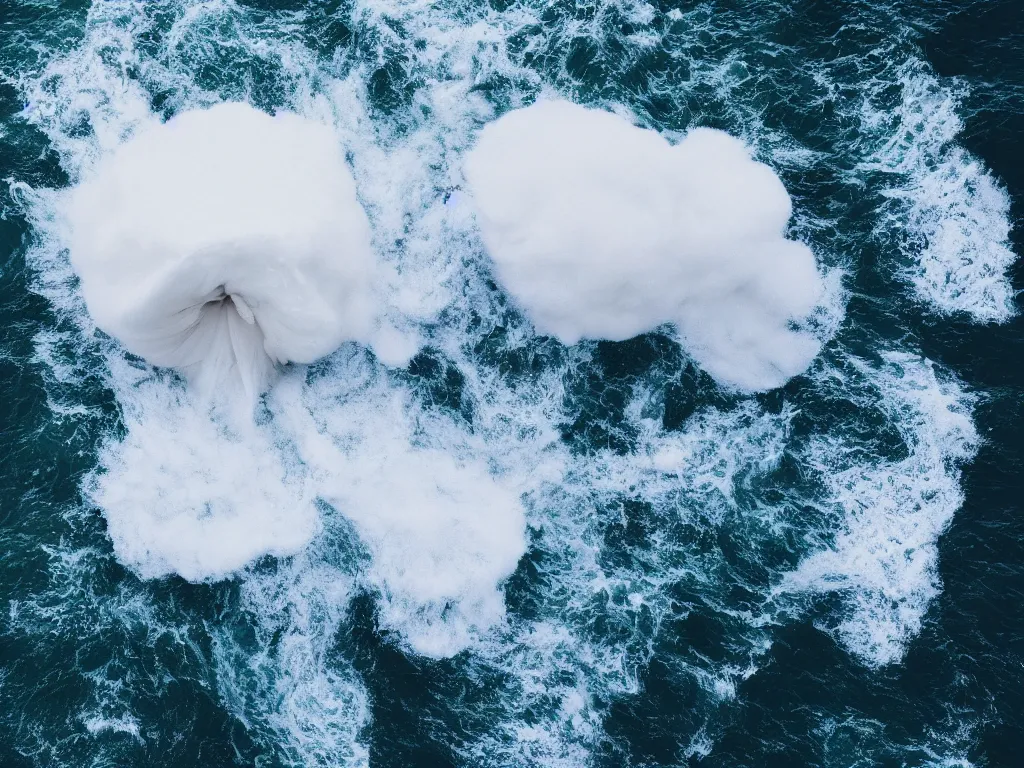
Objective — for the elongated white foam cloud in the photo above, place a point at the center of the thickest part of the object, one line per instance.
(224, 241)
(602, 230)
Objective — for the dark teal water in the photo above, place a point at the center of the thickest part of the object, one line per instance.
(829, 574)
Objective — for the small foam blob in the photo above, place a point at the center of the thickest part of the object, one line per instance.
(223, 242)
(444, 537)
(602, 230)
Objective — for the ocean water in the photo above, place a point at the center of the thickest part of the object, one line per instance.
(511, 552)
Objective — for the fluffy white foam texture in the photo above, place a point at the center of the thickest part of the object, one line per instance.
(602, 230)
(443, 528)
(224, 241)
(444, 536)
(184, 494)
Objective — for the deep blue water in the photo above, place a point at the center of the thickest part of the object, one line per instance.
(829, 574)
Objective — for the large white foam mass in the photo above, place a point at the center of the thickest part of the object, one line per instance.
(602, 230)
(224, 241)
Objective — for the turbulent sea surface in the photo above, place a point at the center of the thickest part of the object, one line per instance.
(828, 574)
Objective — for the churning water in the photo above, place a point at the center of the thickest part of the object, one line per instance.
(509, 551)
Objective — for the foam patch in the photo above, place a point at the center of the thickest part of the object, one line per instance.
(223, 242)
(602, 230)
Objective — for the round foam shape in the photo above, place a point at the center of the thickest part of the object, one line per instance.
(224, 241)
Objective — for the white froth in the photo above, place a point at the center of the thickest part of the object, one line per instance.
(884, 560)
(225, 241)
(285, 677)
(603, 230)
(126, 724)
(444, 533)
(203, 499)
(949, 215)
(444, 537)
(183, 493)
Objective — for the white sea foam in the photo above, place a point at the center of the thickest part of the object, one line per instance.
(185, 493)
(223, 242)
(884, 560)
(284, 679)
(443, 533)
(948, 214)
(126, 724)
(438, 578)
(603, 230)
